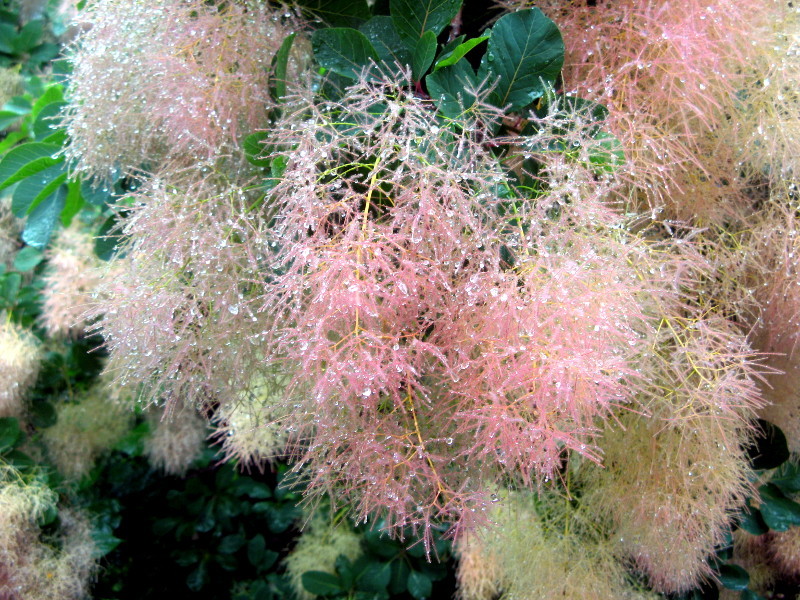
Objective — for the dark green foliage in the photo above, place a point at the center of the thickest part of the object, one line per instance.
(388, 568)
(211, 535)
(29, 45)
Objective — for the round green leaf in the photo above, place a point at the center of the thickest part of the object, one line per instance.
(779, 512)
(787, 477)
(524, 57)
(321, 583)
(10, 433)
(256, 548)
(42, 221)
(751, 520)
(413, 18)
(733, 577)
(27, 259)
(231, 543)
(343, 50)
(375, 577)
(198, 578)
(383, 36)
(419, 585)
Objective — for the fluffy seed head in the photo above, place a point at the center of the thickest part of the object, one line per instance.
(73, 274)
(85, 428)
(546, 552)
(167, 79)
(20, 357)
(250, 426)
(175, 440)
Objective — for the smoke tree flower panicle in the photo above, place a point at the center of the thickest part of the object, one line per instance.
(85, 429)
(541, 547)
(250, 427)
(20, 359)
(450, 327)
(669, 73)
(33, 565)
(766, 128)
(691, 473)
(175, 440)
(72, 276)
(173, 304)
(169, 79)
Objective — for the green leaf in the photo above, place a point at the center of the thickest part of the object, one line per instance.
(322, 583)
(20, 461)
(412, 18)
(388, 44)
(787, 477)
(424, 54)
(53, 94)
(279, 65)
(18, 104)
(104, 541)
(48, 121)
(198, 578)
(42, 221)
(375, 577)
(10, 434)
(27, 259)
(43, 414)
(419, 585)
(524, 57)
(186, 558)
(343, 50)
(7, 33)
(344, 568)
(73, 204)
(11, 283)
(451, 88)
(94, 194)
(7, 118)
(49, 187)
(26, 160)
(254, 150)
(456, 54)
(107, 238)
(338, 13)
(10, 140)
(608, 154)
(281, 517)
(231, 543)
(49, 515)
(133, 443)
(247, 486)
(163, 526)
(256, 548)
(28, 37)
(751, 520)
(452, 45)
(28, 193)
(380, 543)
(734, 577)
(779, 512)
(44, 53)
(399, 581)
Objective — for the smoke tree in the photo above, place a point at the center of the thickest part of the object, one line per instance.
(533, 287)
